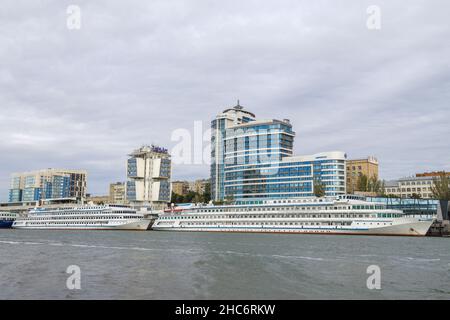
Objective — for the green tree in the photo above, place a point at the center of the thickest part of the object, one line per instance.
(362, 183)
(229, 199)
(176, 198)
(372, 184)
(319, 188)
(440, 188)
(207, 193)
(383, 189)
(197, 198)
(415, 196)
(392, 196)
(192, 196)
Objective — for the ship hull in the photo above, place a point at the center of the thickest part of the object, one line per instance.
(141, 225)
(416, 228)
(5, 224)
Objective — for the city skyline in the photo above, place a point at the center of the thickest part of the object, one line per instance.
(86, 98)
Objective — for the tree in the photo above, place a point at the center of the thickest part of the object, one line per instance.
(229, 199)
(415, 196)
(198, 198)
(207, 193)
(319, 188)
(193, 196)
(176, 198)
(391, 196)
(189, 197)
(372, 184)
(440, 188)
(362, 183)
(382, 192)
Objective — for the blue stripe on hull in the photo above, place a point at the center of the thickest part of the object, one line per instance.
(5, 224)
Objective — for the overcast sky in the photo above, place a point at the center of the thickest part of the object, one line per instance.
(138, 70)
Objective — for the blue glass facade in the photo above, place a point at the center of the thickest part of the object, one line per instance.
(165, 171)
(259, 143)
(15, 195)
(164, 191)
(132, 167)
(285, 179)
(217, 173)
(47, 191)
(131, 190)
(31, 194)
(60, 187)
(230, 117)
(409, 206)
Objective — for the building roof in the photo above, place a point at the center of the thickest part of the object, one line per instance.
(259, 122)
(391, 183)
(340, 155)
(149, 149)
(50, 170)
(240, 108)
(416, 178)
(432, 174)
(370, 159)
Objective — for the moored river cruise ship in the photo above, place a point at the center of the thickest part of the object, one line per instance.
(7, 219)
(86, 217)
(333, 215)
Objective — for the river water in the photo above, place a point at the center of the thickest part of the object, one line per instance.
(176, 265)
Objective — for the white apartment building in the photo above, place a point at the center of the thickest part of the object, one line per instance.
(117, 193)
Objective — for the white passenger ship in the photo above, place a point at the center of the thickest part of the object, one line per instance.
(337, 215)
(7, 219)
(87, 217)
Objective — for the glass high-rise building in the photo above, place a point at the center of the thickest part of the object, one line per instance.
(253, 159)
(228, 118)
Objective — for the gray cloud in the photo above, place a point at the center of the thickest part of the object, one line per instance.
(136, 71)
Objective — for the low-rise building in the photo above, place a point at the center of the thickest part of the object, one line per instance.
(358, 167)
(409, 187)
(97, 199)
(199, 186)
(432, 174)
(180, 187)
(117, 193)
